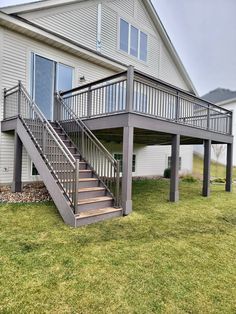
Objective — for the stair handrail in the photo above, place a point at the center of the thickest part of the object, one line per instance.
(98, 144)
(47, 124)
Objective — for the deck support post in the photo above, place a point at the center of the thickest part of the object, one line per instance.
(128, 135)
(174, 179)
(229, 165)
(17, 167)
(206, 168)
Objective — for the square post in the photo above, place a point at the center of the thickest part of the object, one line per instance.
(174, 179)
(229, 168)
(128, 134)
(130, 89)
(17, 167)
(206, 168)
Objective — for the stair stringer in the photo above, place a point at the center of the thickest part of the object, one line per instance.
(53, 188)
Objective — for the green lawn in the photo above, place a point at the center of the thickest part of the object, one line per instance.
(217, 170)
(164, 258)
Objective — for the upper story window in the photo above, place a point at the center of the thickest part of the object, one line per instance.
(133, 41)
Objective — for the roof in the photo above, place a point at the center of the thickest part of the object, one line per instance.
(220, 95)
(15, 10)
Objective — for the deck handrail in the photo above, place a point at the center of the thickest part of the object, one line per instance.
(106, 167)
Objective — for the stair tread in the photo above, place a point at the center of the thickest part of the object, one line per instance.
(88, 179)
(80, 180)
(97, 212)
(96, 188)
(85, 170)
(95, 200)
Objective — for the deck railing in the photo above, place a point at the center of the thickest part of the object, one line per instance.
(133, 91)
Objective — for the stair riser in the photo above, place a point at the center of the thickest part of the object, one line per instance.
(90, 220)
(88, 184)
(58, 131)
(98, 205)
(62, 136)
(87, 174)
(72, 150)
(91, 194)
(83, 166)
(68, 143)
(61, 166)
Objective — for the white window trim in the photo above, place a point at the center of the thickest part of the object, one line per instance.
(129, 40)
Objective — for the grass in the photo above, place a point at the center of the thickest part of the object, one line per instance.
(217, 170)
(163, 258)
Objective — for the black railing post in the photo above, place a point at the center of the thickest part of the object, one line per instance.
(4, 102)
(231, 123)
(89, 108)
(208, 117)
(76, 196)
(117, 198)
(177, 108)
(82, 140)
(44, 139)
(19, 98)
(130, 89)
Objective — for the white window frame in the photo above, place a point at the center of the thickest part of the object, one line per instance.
(129, 40)
(134, 159)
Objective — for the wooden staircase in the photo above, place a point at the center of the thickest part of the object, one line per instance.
(95, 202)
(83, 191)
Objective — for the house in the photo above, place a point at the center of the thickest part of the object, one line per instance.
(95, 91)
(224, 98)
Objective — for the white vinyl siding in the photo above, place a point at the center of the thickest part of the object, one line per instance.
(16, 65)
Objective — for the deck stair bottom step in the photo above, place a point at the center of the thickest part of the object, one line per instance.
(97, 215)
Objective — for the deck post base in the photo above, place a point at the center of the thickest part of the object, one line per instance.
(174, 179)
(128, 135)
(206, 168)
(229, 168)
(17, 167)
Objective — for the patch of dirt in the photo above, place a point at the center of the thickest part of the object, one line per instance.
(33, 192)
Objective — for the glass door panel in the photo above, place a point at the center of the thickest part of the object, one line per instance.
(64, 77)
(44, 85)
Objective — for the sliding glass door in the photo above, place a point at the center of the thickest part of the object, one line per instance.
(48, 77)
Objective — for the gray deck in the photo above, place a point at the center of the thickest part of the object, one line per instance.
(130, 108)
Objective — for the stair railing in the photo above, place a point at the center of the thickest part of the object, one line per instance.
(60, 161)
(106, 167)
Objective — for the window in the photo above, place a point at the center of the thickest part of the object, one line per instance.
(133, 41)
(143, 46)
(120, 158)
(169, 162)
(34, 171)
(124, 36)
